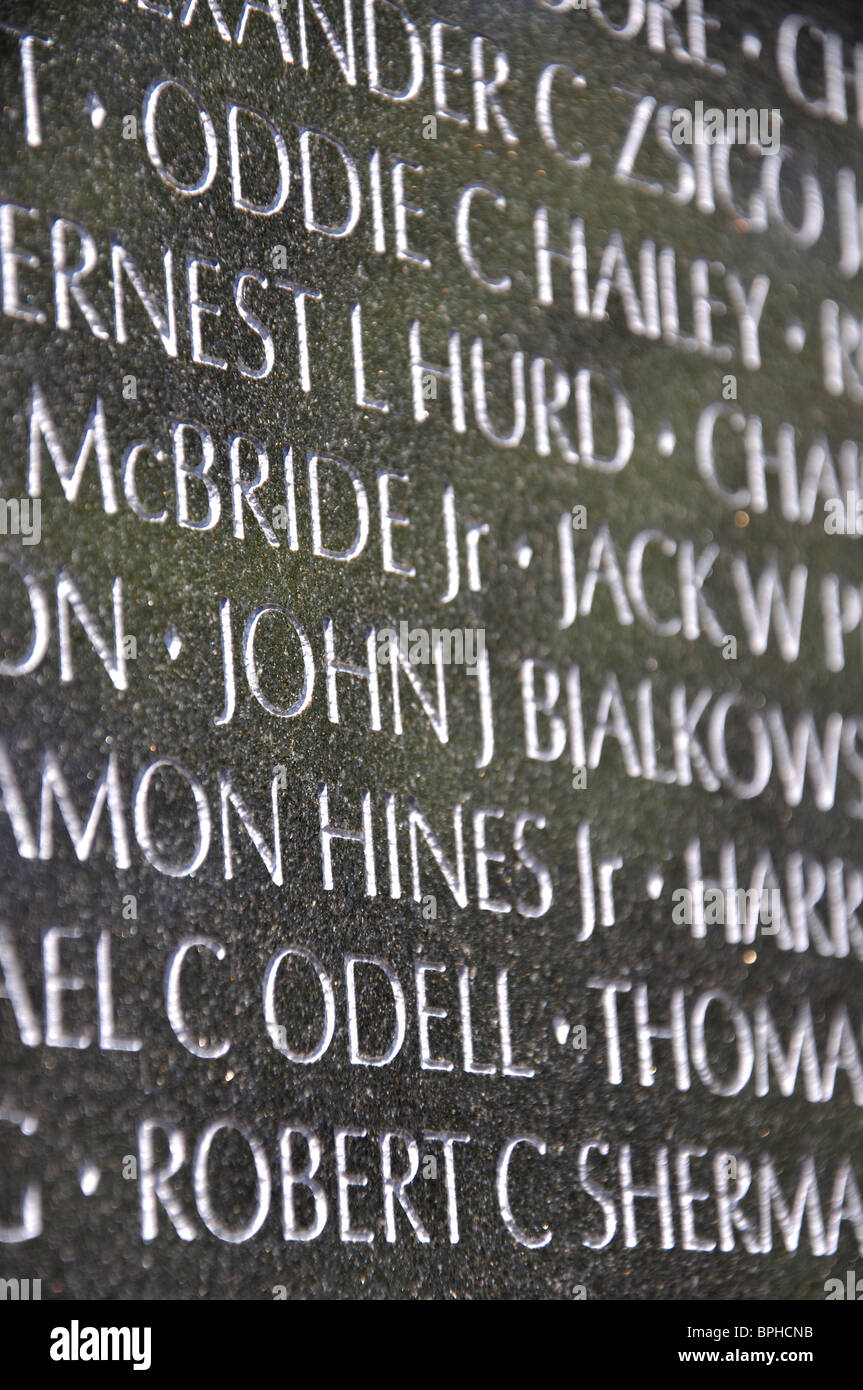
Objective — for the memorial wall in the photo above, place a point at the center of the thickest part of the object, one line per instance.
(431, 603)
